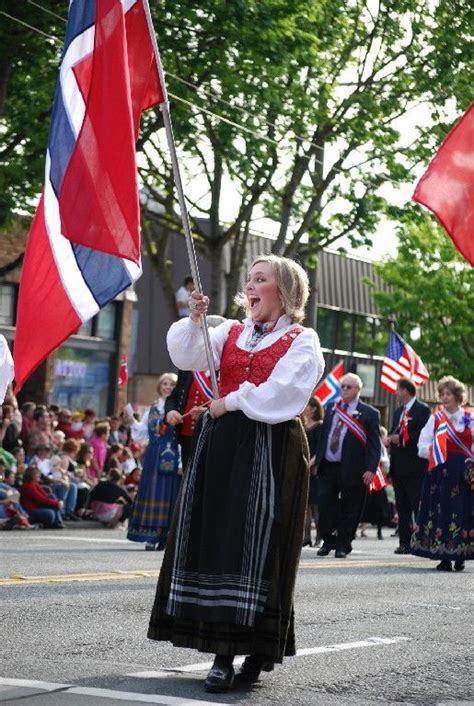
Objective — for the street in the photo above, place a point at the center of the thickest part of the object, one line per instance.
(372, 628)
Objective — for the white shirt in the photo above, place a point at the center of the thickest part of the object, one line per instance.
(427, 433)
(286, 392)
(409, 404)
(182, 297)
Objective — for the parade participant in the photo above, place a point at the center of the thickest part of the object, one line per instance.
(160, 479)
(186, 403)
(227, 580)
(313, 416)
(444, 527)
(407, 469)
(346, 462)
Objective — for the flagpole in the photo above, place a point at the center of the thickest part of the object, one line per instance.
(193, 264)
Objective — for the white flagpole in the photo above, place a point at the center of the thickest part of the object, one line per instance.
(193, 264)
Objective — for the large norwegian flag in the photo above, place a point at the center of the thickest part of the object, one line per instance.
(401, 361)
(447, 187)
(84, 243)
(329, 389)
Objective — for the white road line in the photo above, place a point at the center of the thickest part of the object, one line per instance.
(129, 696)
(84, 539)
(202, 666)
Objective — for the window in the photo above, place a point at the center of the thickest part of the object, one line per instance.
(364, 334)
(7, 304)
(326, 327)
(344, 336)
(105, 322)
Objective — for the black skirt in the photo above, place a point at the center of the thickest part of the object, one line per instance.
(227, 581)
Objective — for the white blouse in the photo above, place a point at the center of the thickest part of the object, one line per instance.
(286, 392)
(427, 433)
(139, 429)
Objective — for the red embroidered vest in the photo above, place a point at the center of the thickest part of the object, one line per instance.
(195, 399)
(238, 366)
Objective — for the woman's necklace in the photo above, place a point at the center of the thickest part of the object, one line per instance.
(259, 331)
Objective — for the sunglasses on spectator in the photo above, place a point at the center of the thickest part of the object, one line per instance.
(347, 387)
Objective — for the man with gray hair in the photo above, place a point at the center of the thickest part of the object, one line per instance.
(347, 459)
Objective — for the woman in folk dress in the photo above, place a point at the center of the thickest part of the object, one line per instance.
(444, 529)
(227, 580)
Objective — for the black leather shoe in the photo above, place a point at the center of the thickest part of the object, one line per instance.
(219, 679)
(340, 554)
(402, 549)
(253, 665)
(459, 565)
(444, 566)
(324, 550)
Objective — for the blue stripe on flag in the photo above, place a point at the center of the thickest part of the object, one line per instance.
(81, 16)
(105, 275)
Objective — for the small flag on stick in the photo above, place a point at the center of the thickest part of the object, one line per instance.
(123, 372)
(330, 388)
(401, 361)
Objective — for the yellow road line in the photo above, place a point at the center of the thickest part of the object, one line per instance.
(120, 575)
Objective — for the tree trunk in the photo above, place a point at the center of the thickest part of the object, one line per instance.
(217, 289)
(5, 68)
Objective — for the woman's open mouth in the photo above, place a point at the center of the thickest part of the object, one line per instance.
(254, 301)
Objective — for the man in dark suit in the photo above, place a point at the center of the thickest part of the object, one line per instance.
(407, 469)
(347, 460)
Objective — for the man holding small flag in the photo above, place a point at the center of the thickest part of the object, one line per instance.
(407, 469)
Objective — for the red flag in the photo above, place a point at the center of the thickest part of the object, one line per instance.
(123, 372)
(379, 481)
(98, 199)
(447, 186)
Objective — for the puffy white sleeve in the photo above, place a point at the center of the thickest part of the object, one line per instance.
(139, 430)
(286, 392)
(426, 438)
(186, 344)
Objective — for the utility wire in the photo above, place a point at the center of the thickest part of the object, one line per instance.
(196, 107)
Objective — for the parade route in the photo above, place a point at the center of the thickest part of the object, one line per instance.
(373, 628)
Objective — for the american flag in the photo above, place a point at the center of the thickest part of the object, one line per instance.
(401, 361)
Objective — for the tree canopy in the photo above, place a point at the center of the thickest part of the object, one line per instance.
(432, 294)
(304, 125)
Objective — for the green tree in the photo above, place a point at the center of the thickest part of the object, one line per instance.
(320, 87)
(432, 293)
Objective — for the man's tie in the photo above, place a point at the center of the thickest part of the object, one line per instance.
(336, 435)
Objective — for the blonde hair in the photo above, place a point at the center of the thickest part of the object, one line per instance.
(166, 376)
(456, 387)
(292, 282)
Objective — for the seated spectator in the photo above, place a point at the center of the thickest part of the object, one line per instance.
(53, 412)
(132, 479)
(41, 507)
(19, 464)
(137, 452)
(76, 474)
(109, 501)
(127, 460)
(41, 432)
(42, 459)
(115, 437)
(84, 462)
(27, 423)
(12, 514)
(59, 437)
(113, 458)
(63, 488)
(88, 424)
(99, 447)
(9, 429)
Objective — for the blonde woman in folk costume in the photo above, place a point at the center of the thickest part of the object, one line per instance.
(160, 479)
(227, 580)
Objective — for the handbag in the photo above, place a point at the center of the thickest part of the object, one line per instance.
(167, 460)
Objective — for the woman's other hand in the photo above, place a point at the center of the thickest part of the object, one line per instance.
(173, 417)
(217, 408)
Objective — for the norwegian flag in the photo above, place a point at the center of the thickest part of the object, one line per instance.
(330, 388)
(123, 372)
(84, 245)
(401, 361)
(379, 481)
(439, 447)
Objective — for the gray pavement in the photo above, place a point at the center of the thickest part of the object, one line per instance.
(374, 628)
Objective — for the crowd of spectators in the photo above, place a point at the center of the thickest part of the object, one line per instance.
(59, 465)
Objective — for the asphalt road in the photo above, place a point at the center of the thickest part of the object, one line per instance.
(374, 628)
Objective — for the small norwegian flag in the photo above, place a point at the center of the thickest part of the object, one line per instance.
(330, 388)
(123, 372)
(378, 483)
